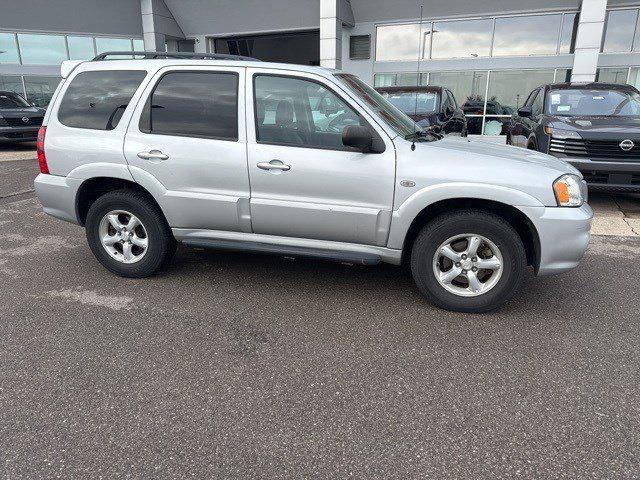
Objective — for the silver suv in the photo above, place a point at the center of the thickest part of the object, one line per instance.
(222, 152)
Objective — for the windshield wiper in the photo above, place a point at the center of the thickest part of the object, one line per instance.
(424, 134)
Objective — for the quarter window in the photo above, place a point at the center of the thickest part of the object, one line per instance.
(194, 104)
(97, 100)
(298, 112)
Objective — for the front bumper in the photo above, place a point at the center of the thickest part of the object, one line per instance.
(18, 134)
(609, 176)
(564, 236)
(58, 196)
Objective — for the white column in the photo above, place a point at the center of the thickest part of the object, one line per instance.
(333, 15)
(588, 40)
(158, 24)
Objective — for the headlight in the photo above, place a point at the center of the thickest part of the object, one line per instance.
(568, 191)
(562, 134)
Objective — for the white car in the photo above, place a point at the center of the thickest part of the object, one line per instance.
(225, 152)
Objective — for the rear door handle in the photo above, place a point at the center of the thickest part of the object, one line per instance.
(274, 165)
(153, 155)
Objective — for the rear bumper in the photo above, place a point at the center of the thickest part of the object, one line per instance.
(564, 236)
(608, 176)
(58, 196)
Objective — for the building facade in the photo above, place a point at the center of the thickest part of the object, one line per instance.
(490, 53)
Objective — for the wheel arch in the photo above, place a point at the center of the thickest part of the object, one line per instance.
(93, 188)
(516, 218)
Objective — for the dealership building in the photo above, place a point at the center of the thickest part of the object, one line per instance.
(490, 53)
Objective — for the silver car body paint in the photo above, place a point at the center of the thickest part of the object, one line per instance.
(213, 192)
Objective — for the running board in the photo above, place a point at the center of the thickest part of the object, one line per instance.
(295, 247)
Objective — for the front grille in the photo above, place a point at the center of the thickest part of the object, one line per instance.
(602, 149)
(596, 177)
(17, 122)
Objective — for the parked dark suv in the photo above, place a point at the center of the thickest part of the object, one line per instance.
(19, 120)
(594, 126)
(435, 107)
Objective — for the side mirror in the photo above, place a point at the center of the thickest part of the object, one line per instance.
(525, 111)
(361, 138)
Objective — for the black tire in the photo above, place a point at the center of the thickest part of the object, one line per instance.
(479, 222)
(161, 246)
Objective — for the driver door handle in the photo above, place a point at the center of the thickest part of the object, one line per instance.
(273, 166)
(153, 155)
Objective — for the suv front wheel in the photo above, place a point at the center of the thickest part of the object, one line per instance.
(468, 261)
(128, 234)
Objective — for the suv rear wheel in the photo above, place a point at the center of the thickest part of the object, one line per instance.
(128, 234)
(468, 261)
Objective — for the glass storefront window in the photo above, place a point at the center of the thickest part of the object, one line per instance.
(112, 44)
(508, 90)
(8, 48)
(527, 35)
(11, 83)
(619, 31)
(42, 49)
(80, 48)
(138, 45)
(40, 89)
(384, 80)
(569, 28)
(397, 42)
(461, 39)
(634, 77)
(612, 75)
(468, 87)
(563, 75)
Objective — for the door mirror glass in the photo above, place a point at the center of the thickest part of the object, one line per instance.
(525, 111)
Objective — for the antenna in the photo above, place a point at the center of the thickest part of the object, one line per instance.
(415, 108)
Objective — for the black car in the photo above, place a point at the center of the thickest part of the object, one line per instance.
(593, 126)
(19, 120)
(430, 107)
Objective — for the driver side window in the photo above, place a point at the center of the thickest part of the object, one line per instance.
(536, 106)
(298, 112)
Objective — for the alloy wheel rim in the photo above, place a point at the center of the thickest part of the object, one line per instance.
(468, 265)
(123, 236)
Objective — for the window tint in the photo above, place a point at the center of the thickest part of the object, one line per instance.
(461, 39)
(299, 112)
(528, 35)
(41, 89)
(80, 48)
(98, 99)
(397, 42)
(194, 104)
(42, 49)
(620, 26)
(8, 48)
(536, 106)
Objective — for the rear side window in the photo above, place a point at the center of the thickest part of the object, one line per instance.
(193, 104)
(97, 100)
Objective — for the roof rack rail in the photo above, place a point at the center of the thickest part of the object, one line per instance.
(182, 55)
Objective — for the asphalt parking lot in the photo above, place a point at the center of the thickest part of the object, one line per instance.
(248, 366)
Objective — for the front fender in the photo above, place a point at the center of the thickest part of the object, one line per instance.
(404, 214)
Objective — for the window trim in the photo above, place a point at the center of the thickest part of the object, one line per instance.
(322, 84)
(206, 137)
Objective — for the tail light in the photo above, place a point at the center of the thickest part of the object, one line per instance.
(42, 158)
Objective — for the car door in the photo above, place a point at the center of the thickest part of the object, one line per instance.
(304, 182)
(188, 135)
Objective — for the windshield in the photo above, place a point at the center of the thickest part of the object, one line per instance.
(426, 103)
(397, 120)
(12, 100)
(587, 102)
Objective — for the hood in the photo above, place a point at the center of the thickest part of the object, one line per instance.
(485, 150)
(594, 126)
